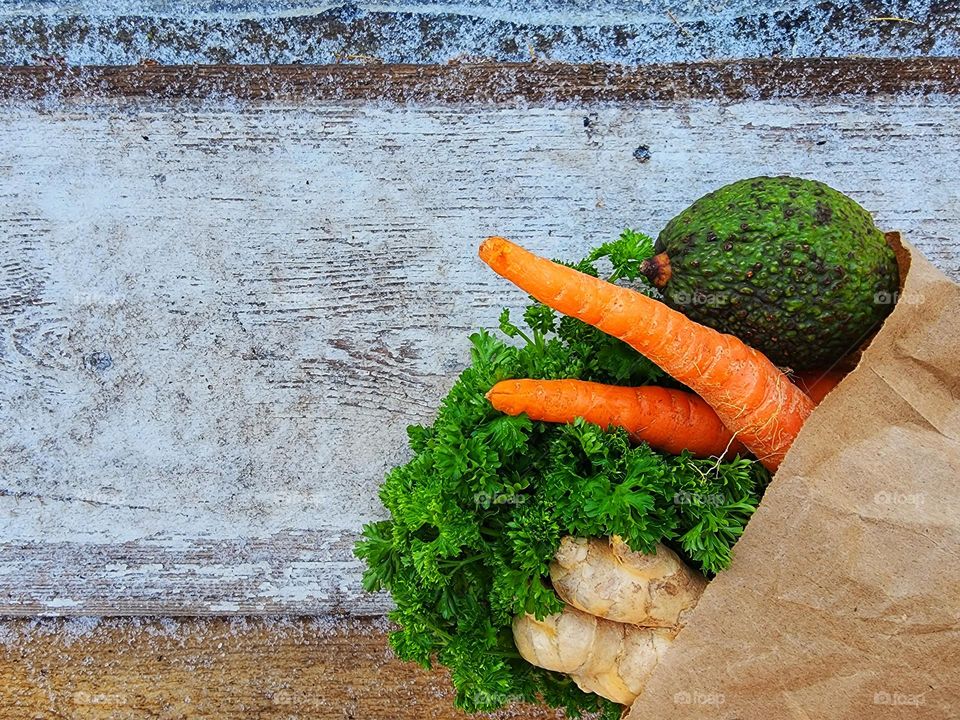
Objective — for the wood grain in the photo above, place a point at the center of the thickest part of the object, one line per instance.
(183, 669)
(217, 317)
(503, 83)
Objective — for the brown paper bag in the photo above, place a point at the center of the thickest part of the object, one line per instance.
(843, 599)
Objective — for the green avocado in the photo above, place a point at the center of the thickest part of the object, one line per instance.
(792, 267)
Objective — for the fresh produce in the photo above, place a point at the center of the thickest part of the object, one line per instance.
(667, 419)
(611, 659)
(605, 577)
(478, 513)
(752, 397)
(792, 267)
(623, 611)
(551, 551)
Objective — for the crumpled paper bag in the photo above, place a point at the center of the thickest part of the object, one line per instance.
(843, 599)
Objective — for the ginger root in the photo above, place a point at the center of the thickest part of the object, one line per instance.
(609, 658)
(608, 579)
(623, 611)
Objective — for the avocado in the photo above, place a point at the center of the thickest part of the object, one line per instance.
(792, 267)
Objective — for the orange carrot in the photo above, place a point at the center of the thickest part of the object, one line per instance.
(817, 383)
(752, 397)
(668, 420)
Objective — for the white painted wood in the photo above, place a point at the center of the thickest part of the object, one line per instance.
(216, 321)
(628, 32)
(559, 12)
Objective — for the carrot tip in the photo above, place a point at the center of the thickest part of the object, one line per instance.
(492, 247)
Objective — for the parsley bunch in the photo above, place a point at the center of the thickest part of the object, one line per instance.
(478, 512)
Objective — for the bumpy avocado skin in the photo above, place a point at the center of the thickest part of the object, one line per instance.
(792, 267)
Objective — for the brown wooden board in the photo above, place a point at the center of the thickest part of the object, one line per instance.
(499, 83)
(216, 669)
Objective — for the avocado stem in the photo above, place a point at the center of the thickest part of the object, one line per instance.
(657, 269)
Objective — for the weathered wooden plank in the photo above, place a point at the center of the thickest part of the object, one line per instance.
(217, 319)
(216, 668)
(436, 31)
(505, 84)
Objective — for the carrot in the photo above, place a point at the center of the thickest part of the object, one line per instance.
(668, 420)
(817, 383)
(753, 398)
